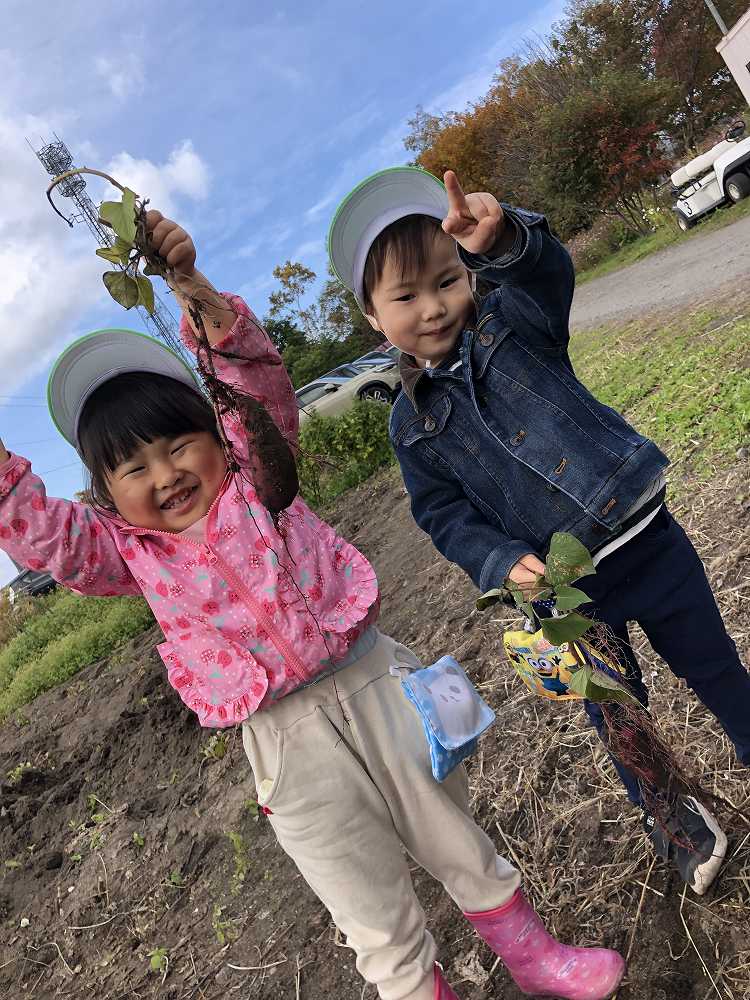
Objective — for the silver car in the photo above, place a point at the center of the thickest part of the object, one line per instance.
(331, 395)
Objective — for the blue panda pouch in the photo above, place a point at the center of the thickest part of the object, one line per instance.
(453, 713)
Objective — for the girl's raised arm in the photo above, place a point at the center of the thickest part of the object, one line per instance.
(65, 539)
(245, 357)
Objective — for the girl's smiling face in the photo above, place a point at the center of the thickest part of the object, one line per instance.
(169, 483)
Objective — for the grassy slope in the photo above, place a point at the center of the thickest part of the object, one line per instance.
(68, 633)
(686, 384)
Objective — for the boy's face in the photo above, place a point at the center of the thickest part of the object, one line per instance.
(423, 314)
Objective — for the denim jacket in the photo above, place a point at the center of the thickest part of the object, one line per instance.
(501, 445)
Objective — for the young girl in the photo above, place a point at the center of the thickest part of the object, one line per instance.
(274, 629)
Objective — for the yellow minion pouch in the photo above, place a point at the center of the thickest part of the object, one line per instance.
(546, 669)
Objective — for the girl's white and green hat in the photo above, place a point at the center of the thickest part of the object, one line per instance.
(378, 201)
(98, 357)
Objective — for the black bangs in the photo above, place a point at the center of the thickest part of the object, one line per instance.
(130, 410)
(407, 242)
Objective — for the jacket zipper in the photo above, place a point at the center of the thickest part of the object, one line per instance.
(264, 620)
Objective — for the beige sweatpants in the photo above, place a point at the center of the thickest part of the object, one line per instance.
(348, 780)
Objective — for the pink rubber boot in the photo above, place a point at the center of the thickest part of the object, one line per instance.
(539, 964)
(442, 989)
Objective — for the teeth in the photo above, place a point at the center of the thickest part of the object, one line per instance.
(176, 501)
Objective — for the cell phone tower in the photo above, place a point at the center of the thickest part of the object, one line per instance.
(56, 158)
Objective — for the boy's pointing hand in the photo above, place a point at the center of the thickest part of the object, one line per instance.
(476, 221)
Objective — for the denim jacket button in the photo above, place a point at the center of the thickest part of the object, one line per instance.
(486, 339)
(429, 424)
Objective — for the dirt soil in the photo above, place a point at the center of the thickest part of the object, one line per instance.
(704, 268)
(128, 839)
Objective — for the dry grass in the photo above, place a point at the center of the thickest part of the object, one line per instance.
(562, 815)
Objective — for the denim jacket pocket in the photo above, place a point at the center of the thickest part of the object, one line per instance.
(427, 423)
(490, 333)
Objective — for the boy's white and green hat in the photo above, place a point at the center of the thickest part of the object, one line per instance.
(378, 201)
(98, 357)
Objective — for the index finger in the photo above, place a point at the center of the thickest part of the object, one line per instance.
(456, 196)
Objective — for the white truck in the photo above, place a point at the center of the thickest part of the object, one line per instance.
(722, 174)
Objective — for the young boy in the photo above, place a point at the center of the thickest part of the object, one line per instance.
(500, 445)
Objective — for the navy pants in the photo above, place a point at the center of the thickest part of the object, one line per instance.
(658, 580)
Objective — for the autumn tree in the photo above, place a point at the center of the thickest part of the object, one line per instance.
(602, 148)
(683, 48)
(576, 123)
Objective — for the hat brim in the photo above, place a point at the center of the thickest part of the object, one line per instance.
(95, 359)
(378, 201)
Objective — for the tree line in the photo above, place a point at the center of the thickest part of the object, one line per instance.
(580, 122)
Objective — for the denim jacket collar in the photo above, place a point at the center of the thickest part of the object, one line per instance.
(412, 374)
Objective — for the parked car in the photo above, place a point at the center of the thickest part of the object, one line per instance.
(30, 583)
(372, 360)
(330, 396)
(720, 175)
(344, 372)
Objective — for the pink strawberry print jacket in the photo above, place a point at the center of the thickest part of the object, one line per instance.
(247, 616)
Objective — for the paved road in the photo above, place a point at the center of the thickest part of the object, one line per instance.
(703, 267)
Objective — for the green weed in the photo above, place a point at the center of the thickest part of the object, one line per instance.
(241, 861)
(338, 453)
(159, 960)
(685, 385)
(14, 775)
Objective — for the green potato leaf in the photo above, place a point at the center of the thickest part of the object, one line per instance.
(568, 628)
(145, 293)
(489, 599)
(119, 253)
(568, 598)
(121, 215)
(122, 288)
(567, 560)
(598, 687)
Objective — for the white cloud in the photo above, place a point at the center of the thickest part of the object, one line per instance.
(184, 173)
(389, 149)
(248, 249)
(50, 279)
(124, 76)
(311, 249)
(474, 85)
(313, 213)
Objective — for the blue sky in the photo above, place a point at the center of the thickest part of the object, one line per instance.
(246, 122)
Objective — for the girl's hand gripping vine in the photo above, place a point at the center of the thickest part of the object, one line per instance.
(175, 247)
